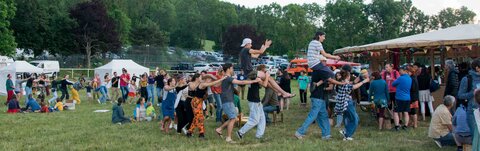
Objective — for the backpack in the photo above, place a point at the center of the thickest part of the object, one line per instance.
(469, 83)
(384, 74)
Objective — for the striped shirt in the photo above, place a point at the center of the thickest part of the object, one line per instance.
(313, 54)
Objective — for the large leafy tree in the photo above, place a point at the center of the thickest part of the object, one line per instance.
(95, 32)
(233, 37)
(7, 41)
(40, 26)
(346, 24)
(386, 19)
(414, 21)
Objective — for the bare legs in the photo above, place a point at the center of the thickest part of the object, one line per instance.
(274, 85)
(229, 124)
(396, 118)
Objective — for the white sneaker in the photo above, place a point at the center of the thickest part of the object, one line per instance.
(347, 139)
(438, 143)
(175, 126)
(98, 100)
(342, 132)
(170, 126)
(184, 130)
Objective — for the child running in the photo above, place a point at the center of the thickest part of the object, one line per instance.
(346, 106)
(168, 105)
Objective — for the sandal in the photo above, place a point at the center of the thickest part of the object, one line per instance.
(219, 133)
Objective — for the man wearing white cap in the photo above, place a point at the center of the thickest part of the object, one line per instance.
(246, 55)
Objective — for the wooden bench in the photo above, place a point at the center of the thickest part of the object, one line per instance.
(275, 117)
(467, 147)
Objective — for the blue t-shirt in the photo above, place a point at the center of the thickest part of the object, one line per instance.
(403, 85)
(32, 104)
(303, 82)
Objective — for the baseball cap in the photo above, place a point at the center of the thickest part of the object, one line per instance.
(404, 67)
(246, 41)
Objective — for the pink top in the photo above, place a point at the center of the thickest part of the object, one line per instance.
(389, 78)
(124, 83)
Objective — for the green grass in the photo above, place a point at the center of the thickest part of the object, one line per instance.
(84, 130)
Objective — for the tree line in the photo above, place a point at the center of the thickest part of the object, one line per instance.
(93, 27)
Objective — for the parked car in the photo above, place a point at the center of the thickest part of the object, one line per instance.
(182, 66)
(216, 65)
(283, 66)
(272, 68)
(50, 67)
(297, 66)
(199, 67)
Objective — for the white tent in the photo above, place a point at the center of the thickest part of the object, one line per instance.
(117, 65)
(461, 34)
(13, 69)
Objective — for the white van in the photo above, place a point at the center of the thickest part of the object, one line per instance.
(50, 67)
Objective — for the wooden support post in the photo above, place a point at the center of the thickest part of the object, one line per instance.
(432, 62)
(442, 62)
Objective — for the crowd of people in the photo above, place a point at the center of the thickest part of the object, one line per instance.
(185, 101)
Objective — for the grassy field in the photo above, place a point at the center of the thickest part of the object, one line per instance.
(84, 130)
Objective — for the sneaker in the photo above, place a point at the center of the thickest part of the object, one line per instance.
(189, 134)
(98, 100)
(396, 129)
(438, 143)
(342, 132)
(405, 128)
(326, 137)
(184, 130)
(201, 136)
(298, 136)
(347, 139)
(240, 136)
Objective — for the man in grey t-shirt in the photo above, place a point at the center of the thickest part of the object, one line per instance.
(246, 55)
(227, 100)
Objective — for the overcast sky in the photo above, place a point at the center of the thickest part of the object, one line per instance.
(429, 7)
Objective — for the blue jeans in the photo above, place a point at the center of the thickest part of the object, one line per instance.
(471, 117)
(104, 94)
(351, 119)
(28, 91)
(124, 90)
(339, 120)
(256, 118)
(318, 113)
(230, 110)
(446, 140)
(269, 109)
(159, 95)
(151, 93)
(54, 98)
(218, 103)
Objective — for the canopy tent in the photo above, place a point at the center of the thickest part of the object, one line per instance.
(457, 35)
(13, 69)
(117, 65)
(338, 63)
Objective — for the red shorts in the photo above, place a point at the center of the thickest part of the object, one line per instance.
(12, 110)
(10, 94)
(131, 94)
